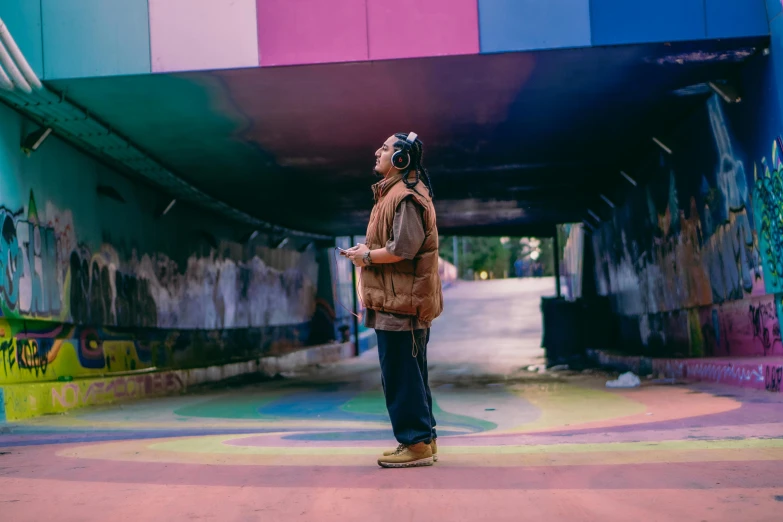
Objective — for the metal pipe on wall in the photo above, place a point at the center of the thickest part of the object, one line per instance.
(31, 81)
(354, 291)
(5, 82)
(10, 67)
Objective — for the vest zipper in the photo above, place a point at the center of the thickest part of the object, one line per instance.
(391, 279)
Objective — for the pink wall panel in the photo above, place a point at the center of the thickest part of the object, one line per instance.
(202, 34)
(415, 28)
(311, 31)
(744, 328)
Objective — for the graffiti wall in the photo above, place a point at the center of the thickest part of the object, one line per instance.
(91, 284)
(694, 256)
(47, 273)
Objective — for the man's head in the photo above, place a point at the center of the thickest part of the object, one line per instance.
(384, 165)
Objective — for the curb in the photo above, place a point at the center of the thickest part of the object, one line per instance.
(759, 373)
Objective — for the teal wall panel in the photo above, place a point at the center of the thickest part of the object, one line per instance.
(83, 38)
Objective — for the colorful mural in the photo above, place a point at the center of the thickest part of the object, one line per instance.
(694, 254)
(768, 209)
(90, 286)
(36, 351)
(186, 35)
(47, 273)
(57, 304)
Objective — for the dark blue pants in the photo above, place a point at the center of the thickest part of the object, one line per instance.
(406, 384)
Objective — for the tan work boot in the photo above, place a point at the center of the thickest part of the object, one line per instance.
(433, 445)
(408, 457)
(388, 453)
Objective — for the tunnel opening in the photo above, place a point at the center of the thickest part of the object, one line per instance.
(477, 260)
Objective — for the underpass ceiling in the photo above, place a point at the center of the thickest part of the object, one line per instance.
(514, 142)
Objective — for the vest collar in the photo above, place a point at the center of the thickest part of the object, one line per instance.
(382, 187)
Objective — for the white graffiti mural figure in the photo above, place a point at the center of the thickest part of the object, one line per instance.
(730, 172)
(45, 273)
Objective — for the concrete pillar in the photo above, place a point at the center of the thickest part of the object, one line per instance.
(556, 257)
(464, 252)
(455, 247)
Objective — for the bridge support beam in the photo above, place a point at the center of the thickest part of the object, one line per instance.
(556, 257)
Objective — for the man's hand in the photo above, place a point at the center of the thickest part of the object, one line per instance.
(379, 256)
(356, 254)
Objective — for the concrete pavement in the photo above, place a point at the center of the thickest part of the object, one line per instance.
(514, 444)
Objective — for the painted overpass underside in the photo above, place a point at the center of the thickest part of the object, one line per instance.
(514, 142)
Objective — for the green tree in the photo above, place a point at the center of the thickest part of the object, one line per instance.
(497, 255)
(477, 254)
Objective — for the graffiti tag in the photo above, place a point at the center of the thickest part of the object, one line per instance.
(70, 395)
(750, 376)
(30, 355)
(773, 377)
(28, 257)
(765, 323)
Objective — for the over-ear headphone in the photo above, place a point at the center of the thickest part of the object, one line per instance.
(401, 159)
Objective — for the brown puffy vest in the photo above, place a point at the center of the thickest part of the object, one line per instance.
(409, 287)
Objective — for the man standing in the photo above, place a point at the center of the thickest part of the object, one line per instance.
(401, 290)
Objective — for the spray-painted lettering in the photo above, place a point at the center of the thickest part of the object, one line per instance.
(70, 395)
(773, 377)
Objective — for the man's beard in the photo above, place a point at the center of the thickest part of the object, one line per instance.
(376, 173)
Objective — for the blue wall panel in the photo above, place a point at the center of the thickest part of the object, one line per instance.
(517, 25)
(2, 406)
(23, 19)
(773, 8)
(636, 21)
(95, 38)
(736, 18)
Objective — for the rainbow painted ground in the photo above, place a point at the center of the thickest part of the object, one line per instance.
(513, 445)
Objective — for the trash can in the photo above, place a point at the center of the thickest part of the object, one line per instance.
(563, 337)
(600, 324)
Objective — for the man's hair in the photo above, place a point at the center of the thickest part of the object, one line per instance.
(417, 159)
